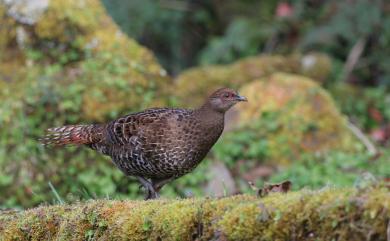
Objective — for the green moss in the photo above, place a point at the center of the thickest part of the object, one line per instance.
(326, 214)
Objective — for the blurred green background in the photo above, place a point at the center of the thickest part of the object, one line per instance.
(316, 73)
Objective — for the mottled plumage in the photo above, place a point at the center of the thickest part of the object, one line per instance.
(156, 145)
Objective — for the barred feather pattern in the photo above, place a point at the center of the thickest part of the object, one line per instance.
(159, 143)
(73, 135)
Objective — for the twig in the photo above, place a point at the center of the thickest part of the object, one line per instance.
(372, 151)
(353, 57)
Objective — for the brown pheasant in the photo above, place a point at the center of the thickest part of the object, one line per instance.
(156, 145)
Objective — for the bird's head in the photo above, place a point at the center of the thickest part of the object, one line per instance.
(223, 99)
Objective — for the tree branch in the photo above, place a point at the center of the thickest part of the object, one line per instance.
(353, 57)
(372, 151)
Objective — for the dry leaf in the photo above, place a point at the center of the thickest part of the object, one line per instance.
(282, 187)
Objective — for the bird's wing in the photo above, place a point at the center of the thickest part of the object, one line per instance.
(141, 128)
(144, 136)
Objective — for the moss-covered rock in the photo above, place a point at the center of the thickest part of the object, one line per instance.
(80, 37)
(294, 115)
(327, 214)
(317, 66)
(195, 83)
(66, 63)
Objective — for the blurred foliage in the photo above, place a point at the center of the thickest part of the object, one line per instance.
(211, 32)
(186, 33)
(241, 39)
(334, 168)
(369, 106)
(159, 25)
(345, 24)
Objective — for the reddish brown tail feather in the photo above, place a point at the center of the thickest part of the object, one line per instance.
(73, 135)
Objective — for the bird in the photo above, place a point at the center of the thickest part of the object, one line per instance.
(157, 145)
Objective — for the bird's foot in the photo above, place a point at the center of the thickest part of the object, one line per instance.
(151, 194)
(159, 183)
(149, 189)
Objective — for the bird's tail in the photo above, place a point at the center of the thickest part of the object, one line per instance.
(73, 135)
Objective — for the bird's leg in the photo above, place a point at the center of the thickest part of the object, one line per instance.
(159, 183)
(150, 192)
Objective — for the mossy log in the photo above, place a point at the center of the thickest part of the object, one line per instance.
(326, 214)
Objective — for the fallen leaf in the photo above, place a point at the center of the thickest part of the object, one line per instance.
(282, 187)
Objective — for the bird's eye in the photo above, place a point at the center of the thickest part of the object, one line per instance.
(226, 95)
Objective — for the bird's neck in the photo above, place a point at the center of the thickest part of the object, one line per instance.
(212, 123)
(209, 116)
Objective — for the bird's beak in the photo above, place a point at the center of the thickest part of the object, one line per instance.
(241, 98)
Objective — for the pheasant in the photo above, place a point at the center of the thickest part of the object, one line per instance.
(156, 145)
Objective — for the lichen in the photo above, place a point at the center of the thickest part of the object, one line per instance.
(326, 214)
